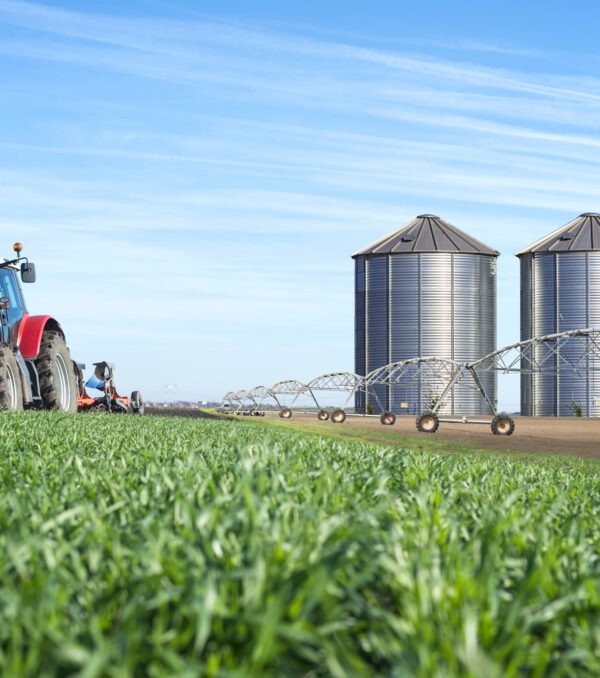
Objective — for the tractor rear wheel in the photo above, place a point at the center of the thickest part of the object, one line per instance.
(137, 403)
(58, 385)
(11, 389)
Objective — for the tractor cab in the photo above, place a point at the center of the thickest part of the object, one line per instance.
(12, 303)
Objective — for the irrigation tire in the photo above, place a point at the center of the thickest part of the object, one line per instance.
(58, 384)
(11, 388)
(387, 418)
(428, 422)
(338, 416)
(137, 403)
(285, 413)
(503, 425)
(323, 415)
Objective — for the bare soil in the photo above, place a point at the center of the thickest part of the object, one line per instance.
(562, 435)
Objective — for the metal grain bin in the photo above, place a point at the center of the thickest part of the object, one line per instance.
(560, 291)
(427, 289)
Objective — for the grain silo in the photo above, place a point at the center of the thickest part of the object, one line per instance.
(560, 291)
(427, 289)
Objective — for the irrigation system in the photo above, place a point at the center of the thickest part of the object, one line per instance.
(576, 352)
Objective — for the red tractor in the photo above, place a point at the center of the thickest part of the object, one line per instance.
(36, 369)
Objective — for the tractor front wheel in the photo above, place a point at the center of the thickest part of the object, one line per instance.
(58, 385)
(11, 389)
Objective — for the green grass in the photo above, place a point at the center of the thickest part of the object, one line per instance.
(149, 546)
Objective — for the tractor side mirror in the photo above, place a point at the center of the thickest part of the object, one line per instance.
(28, 272)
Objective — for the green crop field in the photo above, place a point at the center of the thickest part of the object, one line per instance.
(164, 546)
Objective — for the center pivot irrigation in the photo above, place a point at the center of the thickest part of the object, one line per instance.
(432, 380)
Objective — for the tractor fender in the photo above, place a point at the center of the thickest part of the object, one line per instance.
(30, 334)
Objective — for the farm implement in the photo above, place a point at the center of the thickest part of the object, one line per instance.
(110, 401)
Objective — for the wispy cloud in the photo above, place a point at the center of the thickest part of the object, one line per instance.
(174, 38)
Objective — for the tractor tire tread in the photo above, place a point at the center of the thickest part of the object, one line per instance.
(424, 415)
(46, 374)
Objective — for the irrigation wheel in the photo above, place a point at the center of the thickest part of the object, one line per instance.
(387, 418)
(428, 422)
(323, 415)
(285, 413)
(338, 416)
(503, 425)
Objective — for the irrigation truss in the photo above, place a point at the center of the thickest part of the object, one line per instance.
(577, 351)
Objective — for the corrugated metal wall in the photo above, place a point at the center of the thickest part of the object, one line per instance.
(527, 394)
(405, 273)
(438, 304)
(377, 309)
(488, 329)
(560, 292)
(572, 312)
(436, 318)
(359, 325)
(593, 295)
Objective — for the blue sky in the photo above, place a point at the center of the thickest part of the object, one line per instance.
(192, 178)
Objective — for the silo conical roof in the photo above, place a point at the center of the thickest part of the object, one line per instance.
(580, 235)
(427, 233)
